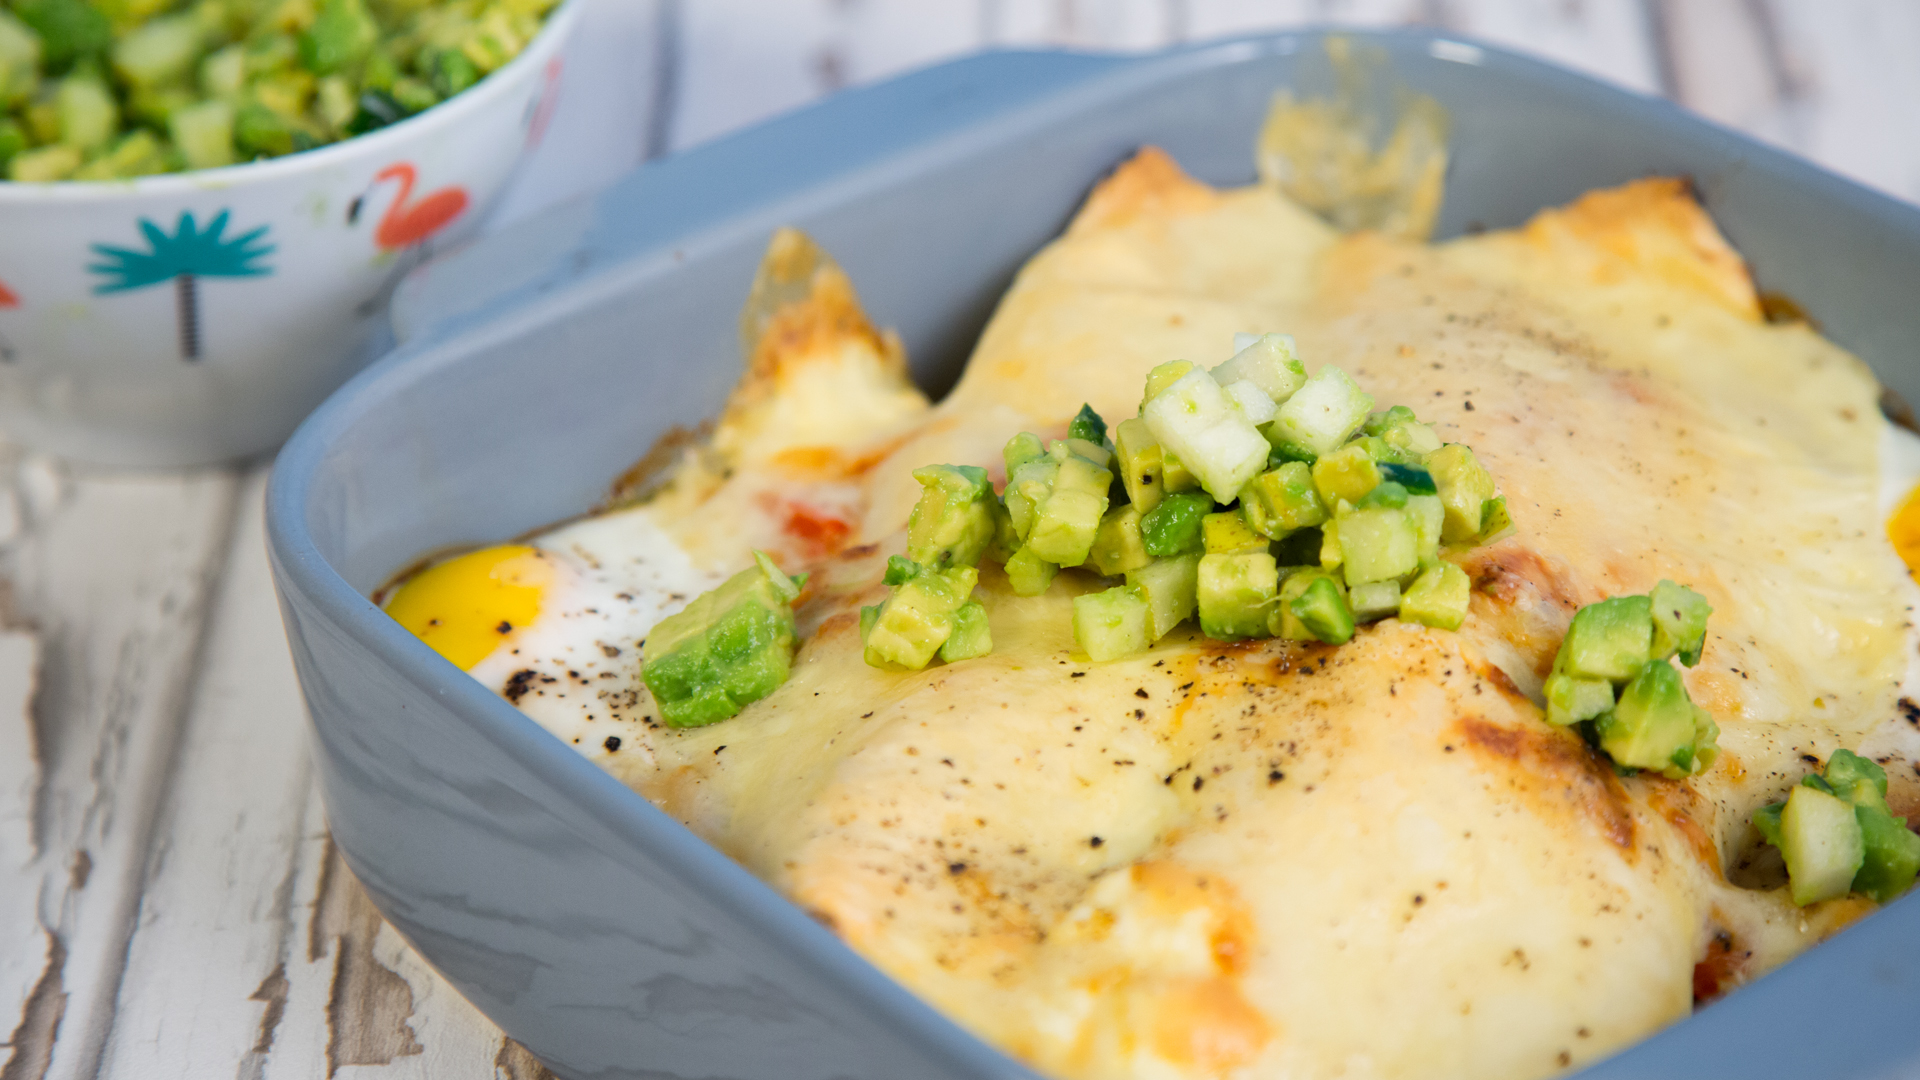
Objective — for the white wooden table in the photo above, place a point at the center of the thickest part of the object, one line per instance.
(170, 905)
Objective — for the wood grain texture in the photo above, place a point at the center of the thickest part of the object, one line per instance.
(174, 904)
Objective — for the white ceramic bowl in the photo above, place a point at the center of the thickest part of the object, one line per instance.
(197, 317)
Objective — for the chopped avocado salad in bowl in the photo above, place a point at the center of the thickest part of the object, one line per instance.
(207, 202)
(114, 89)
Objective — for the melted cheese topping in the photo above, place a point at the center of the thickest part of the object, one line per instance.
(1270, 859)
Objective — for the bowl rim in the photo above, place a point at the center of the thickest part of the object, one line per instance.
(553, 33)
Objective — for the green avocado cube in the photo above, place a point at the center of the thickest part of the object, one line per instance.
(1117, 546)
(1227, 532)
(1495, 523)
(1679, 622)
(1163, 376)
(1571, 699)
(1821, 841)
(1138, 459)
(916, 620)
(1890, 855)
(1174, 474)
(1171, 588)
(1112, 624)
(1610, 640)
(1029, 574)
(954, 521)
(1064, 525)
(971, 635)
(730, 647)
(1387, 494)
(1374, 600)
(1438, 597)
(1282, 500)
(1846, 771)
(1652, 722)
(1347, 473)
(1321, 609)
(1028, 486)
(1429, 517)
(1235, 594)
(1021, 449)
(1464, 487)
(1175, 527)
(1377, 545)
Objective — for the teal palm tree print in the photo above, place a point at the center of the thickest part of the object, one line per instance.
(189, 254)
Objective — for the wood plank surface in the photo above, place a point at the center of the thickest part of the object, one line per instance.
(173, 905)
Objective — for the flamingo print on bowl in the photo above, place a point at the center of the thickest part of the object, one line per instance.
(406, 224)
(7, 298)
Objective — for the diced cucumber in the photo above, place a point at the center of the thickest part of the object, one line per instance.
(1163, 376)
(1112, 624)
(1323, 611)
(1437, 598)
(159, 50)
(1377, 545)
(1374, 600)
(916, 620)
(88, 114)
(953, 522)
(1137, 456)
(1029, 574)
(730, 647)
(1171, 587)
(1269, 363)
(1347, 473)
(1415, 479)
(1387, 419)
(1609, 640)
(1174, 527)
(1117, 546)
(971, 636)
(204, 134)
(1227, 532)
(1194, 419)
(1282, 500)
(1087, 424)
(1652, 722)
(1820, 838)
(1464, 487)
(1414, 439)
(1253, 402)
(1320, 416)
(1679, 622)
(1571, 699)
(1235, 594)
(1429, 517)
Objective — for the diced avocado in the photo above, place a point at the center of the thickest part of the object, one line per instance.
(1021, 449)
(1086, 424)
(953, 522)
(1164, 376)
(1347, 473)
(918, 618)
(1464, 487)
(1065, 524)
(204, 134)
(1195, 420)
(1706, 742)
(1609, 640)
(732, 646)
(159, 51)
(1227, 532)
(1415, 479)
(1028, 485)
(1571, 699)
(1171, 588)
(1437, 598)
(19, 61)
(971, 636)
(1092, 451)
(1847, 770)
(1374, 600)
(1282, 500)
(139, 154)
(13, 140)
(341, 36)
(1269, 363)
(1323, 611)
(1282, 622)
(1495, 523)
(1414, 439)
(1138, 459)
(1330, 556)
(1820, 839)
(1429, 517)
(1387, 419)
(1005, 540)
(1112, 624)
(88, 113)
(1890, 854)
(1377, 544)
(1029, 574)
(1679, 622)
(1174, 475)
(1117, 546)
(1174, 527)
(1235, 594)
(1652, 722)
(1320, 416)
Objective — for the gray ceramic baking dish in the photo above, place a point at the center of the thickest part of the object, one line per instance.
(540, 363)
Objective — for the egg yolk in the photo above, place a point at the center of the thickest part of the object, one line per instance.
(465, 607)
(1903, 528)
